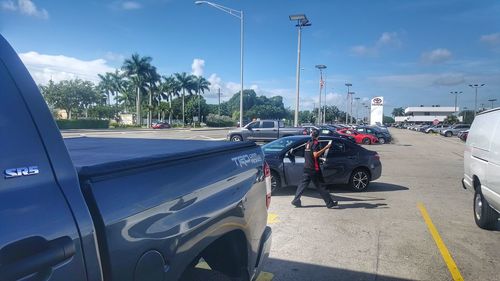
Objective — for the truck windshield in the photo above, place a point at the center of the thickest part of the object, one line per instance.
(278, 145)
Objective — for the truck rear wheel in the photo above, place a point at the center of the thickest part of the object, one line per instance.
(484, 215)
(236, 138)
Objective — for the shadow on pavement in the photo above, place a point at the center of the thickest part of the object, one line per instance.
(373, 187)
(284, 270)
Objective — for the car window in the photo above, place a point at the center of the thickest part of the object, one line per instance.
(337, 146)
(325, 131)
(299, 151)
(278, 145)
(267, 124)
(253, 125)
(361, 130)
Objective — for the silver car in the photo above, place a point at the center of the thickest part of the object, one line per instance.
(453, 130)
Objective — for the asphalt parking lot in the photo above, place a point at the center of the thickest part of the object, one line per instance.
(414, 223)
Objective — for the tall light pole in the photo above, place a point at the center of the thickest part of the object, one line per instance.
(320, 67)
(367, 114)
(301, 22)
(239, 15)
(456, 95)
(465, 114)
(347, 100)
(357, 105)
(492, 101)
(475, 86)
(351, 93)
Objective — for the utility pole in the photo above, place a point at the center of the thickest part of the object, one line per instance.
(324, 107)
(219, 101)
(351, 93)
(475, 86)
(456, 95)
(320, 67)
(357, 105)
(347, 100)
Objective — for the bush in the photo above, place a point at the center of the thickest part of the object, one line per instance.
(219, 121)
(82, 124)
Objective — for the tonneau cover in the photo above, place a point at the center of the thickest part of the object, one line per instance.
(100, 156)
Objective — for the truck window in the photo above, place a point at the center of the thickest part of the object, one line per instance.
(281, 124)
(253, 125)
(267, 124)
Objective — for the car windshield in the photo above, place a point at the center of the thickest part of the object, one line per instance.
(278, 145)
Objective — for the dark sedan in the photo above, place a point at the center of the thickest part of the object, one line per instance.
(344, 163)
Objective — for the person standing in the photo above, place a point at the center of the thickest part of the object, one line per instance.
(312, 172)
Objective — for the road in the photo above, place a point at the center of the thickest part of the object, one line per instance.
(380, 234)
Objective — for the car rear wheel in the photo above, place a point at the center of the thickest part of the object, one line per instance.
(484, 215)
(448, 134)
(359, 181)
(381, 140)
(236, 138)
(366, 141)
(275, 182)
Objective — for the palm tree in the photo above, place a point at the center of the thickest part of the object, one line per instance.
(202, 85)
(106, 85)
(152, 80)
(169, 89)
(118, 83)
(185, 84)
(136, 69)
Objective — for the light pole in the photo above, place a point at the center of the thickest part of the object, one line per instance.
(320, 67)
(475, 86)
(301, 22)
(456, 95)
(492, 101)
(347, 99)
(367, 114)
(351, 93)
(465, 114)
(239, 15)
(357, 105)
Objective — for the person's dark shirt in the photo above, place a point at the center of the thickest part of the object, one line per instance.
(311, 163)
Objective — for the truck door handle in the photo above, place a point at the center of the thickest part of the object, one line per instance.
(257, 130)
(275, 130)
(55, 252)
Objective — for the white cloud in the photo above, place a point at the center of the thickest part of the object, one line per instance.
(385, 40)
(493, 38)
(25, 7)
(58, 67)
(436, 56)
(130, 5)
(198, 67)
(8, 6)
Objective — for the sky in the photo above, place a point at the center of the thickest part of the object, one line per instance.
(410, 52)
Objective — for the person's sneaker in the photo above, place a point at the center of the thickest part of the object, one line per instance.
(332, 204)
(296, 203)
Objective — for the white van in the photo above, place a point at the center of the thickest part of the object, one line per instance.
(482, 167)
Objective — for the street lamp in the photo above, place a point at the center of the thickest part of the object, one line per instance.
(367, 114)
(357, 105)
(465, 114)
(348, 86)
(475, 86)
(456, 95)
(351, 93)
(492, 101)
(320, 67)
(301, 22)
(239, 15)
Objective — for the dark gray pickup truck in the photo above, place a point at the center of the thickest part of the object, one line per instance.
(264, 130)
(90, 209)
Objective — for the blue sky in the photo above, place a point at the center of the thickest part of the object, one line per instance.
(410, 52)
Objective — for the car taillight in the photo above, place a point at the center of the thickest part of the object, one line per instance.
(376, 156)
(267, 175)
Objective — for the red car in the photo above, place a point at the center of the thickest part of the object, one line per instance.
(359, 137)
(161, 125)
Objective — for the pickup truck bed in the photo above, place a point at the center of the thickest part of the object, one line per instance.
(99, 156)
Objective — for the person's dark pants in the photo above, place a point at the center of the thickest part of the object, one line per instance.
(317, 180)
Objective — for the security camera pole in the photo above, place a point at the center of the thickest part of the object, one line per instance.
(347, 100)
(301, 22)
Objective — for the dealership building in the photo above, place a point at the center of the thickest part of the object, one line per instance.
(426, 114)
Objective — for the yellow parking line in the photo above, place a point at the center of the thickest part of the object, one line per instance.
(452, 267)
(265, 276)
(272, 218)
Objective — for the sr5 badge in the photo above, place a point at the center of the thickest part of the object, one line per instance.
(20, 172)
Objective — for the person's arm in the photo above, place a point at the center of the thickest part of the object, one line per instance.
(317, 154)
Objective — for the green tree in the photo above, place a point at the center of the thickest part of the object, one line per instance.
(186, 84)
(106, 85)
(169, 89)
(201, 85)
(451, 119)
(137, 68)
(388, 120)
(398, 111)
(468, 116)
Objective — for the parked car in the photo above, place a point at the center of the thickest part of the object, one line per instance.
(359, 137)
(122, 209)
(328, 131)
(264, 130)
(344, 163)
(463, 135)
(383, 137)
(161, 125)
(436, 128)
(482, 167)
(453, 130)
(423, 128)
